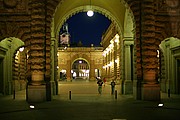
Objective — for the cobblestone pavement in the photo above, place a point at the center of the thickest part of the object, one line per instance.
(86, 104)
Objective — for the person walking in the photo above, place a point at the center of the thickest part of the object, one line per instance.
(112, 87)
(100, 83)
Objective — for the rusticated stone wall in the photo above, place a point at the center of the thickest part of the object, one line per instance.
(37, 53)
(30, 21)
(41, 15)
(155, 21)
(14, 19)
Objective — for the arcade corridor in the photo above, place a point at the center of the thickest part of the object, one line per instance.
(140, 49)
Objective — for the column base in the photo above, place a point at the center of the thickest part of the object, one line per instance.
(36, 93)
(121, 86)
(92, 79)
(68, 79)
(128, 87)
(151, 92)
(136, 90)
(54, 87)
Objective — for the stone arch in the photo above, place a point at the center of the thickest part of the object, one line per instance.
(125, 34)
(170, 48)
(83, 8)
(11, 45)
(83, 57)
(96, 9)
(57, 22)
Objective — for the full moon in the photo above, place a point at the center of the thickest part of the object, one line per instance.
(90, 13)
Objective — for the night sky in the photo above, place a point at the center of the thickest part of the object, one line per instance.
(86, 29)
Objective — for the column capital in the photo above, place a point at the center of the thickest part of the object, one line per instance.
(128, 42)
(128, 39)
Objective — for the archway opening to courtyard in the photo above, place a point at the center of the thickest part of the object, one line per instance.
(70, 48)
(80, 70)
(168, 76)
(116, 43)
(10, 65)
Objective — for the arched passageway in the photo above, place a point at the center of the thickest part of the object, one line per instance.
(9, 47)
(80, 69)
(169, 65)
(122, 24)
(37, 23)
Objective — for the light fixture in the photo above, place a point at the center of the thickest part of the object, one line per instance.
(160, 105)
(90, 12)
(21, 49)
(31, 107)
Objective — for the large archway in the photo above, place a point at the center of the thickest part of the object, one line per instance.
(8, 46)
(120, 15)
(169, 65)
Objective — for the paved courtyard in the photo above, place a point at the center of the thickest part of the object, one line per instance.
(86, 104)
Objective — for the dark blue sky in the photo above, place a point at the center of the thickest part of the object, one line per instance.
(87, 29)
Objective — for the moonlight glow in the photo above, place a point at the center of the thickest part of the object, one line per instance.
(90, 13)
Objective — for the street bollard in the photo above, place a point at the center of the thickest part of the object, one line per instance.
(115, 94)
(169, 93)
(14, 94)
(69, 95)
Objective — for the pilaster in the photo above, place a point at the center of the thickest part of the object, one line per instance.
(127, 83)
(53, 67)
(92, 71)
(68, 70)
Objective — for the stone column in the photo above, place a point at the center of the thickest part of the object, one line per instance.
(36, 89)
(68, 70)
(53, 67)
(54, 47)
(127, 83)
(92, 70)
(10, 68)
(150, 89)
(167, 56)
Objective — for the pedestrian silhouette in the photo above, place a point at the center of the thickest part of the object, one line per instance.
(112, 87)
(100, 83)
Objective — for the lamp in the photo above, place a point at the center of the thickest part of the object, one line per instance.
(90, 12)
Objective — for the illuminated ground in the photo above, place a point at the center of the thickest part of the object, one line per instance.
(88, 105)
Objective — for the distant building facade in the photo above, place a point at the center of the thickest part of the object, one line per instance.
(118, 59)
(80, 62)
